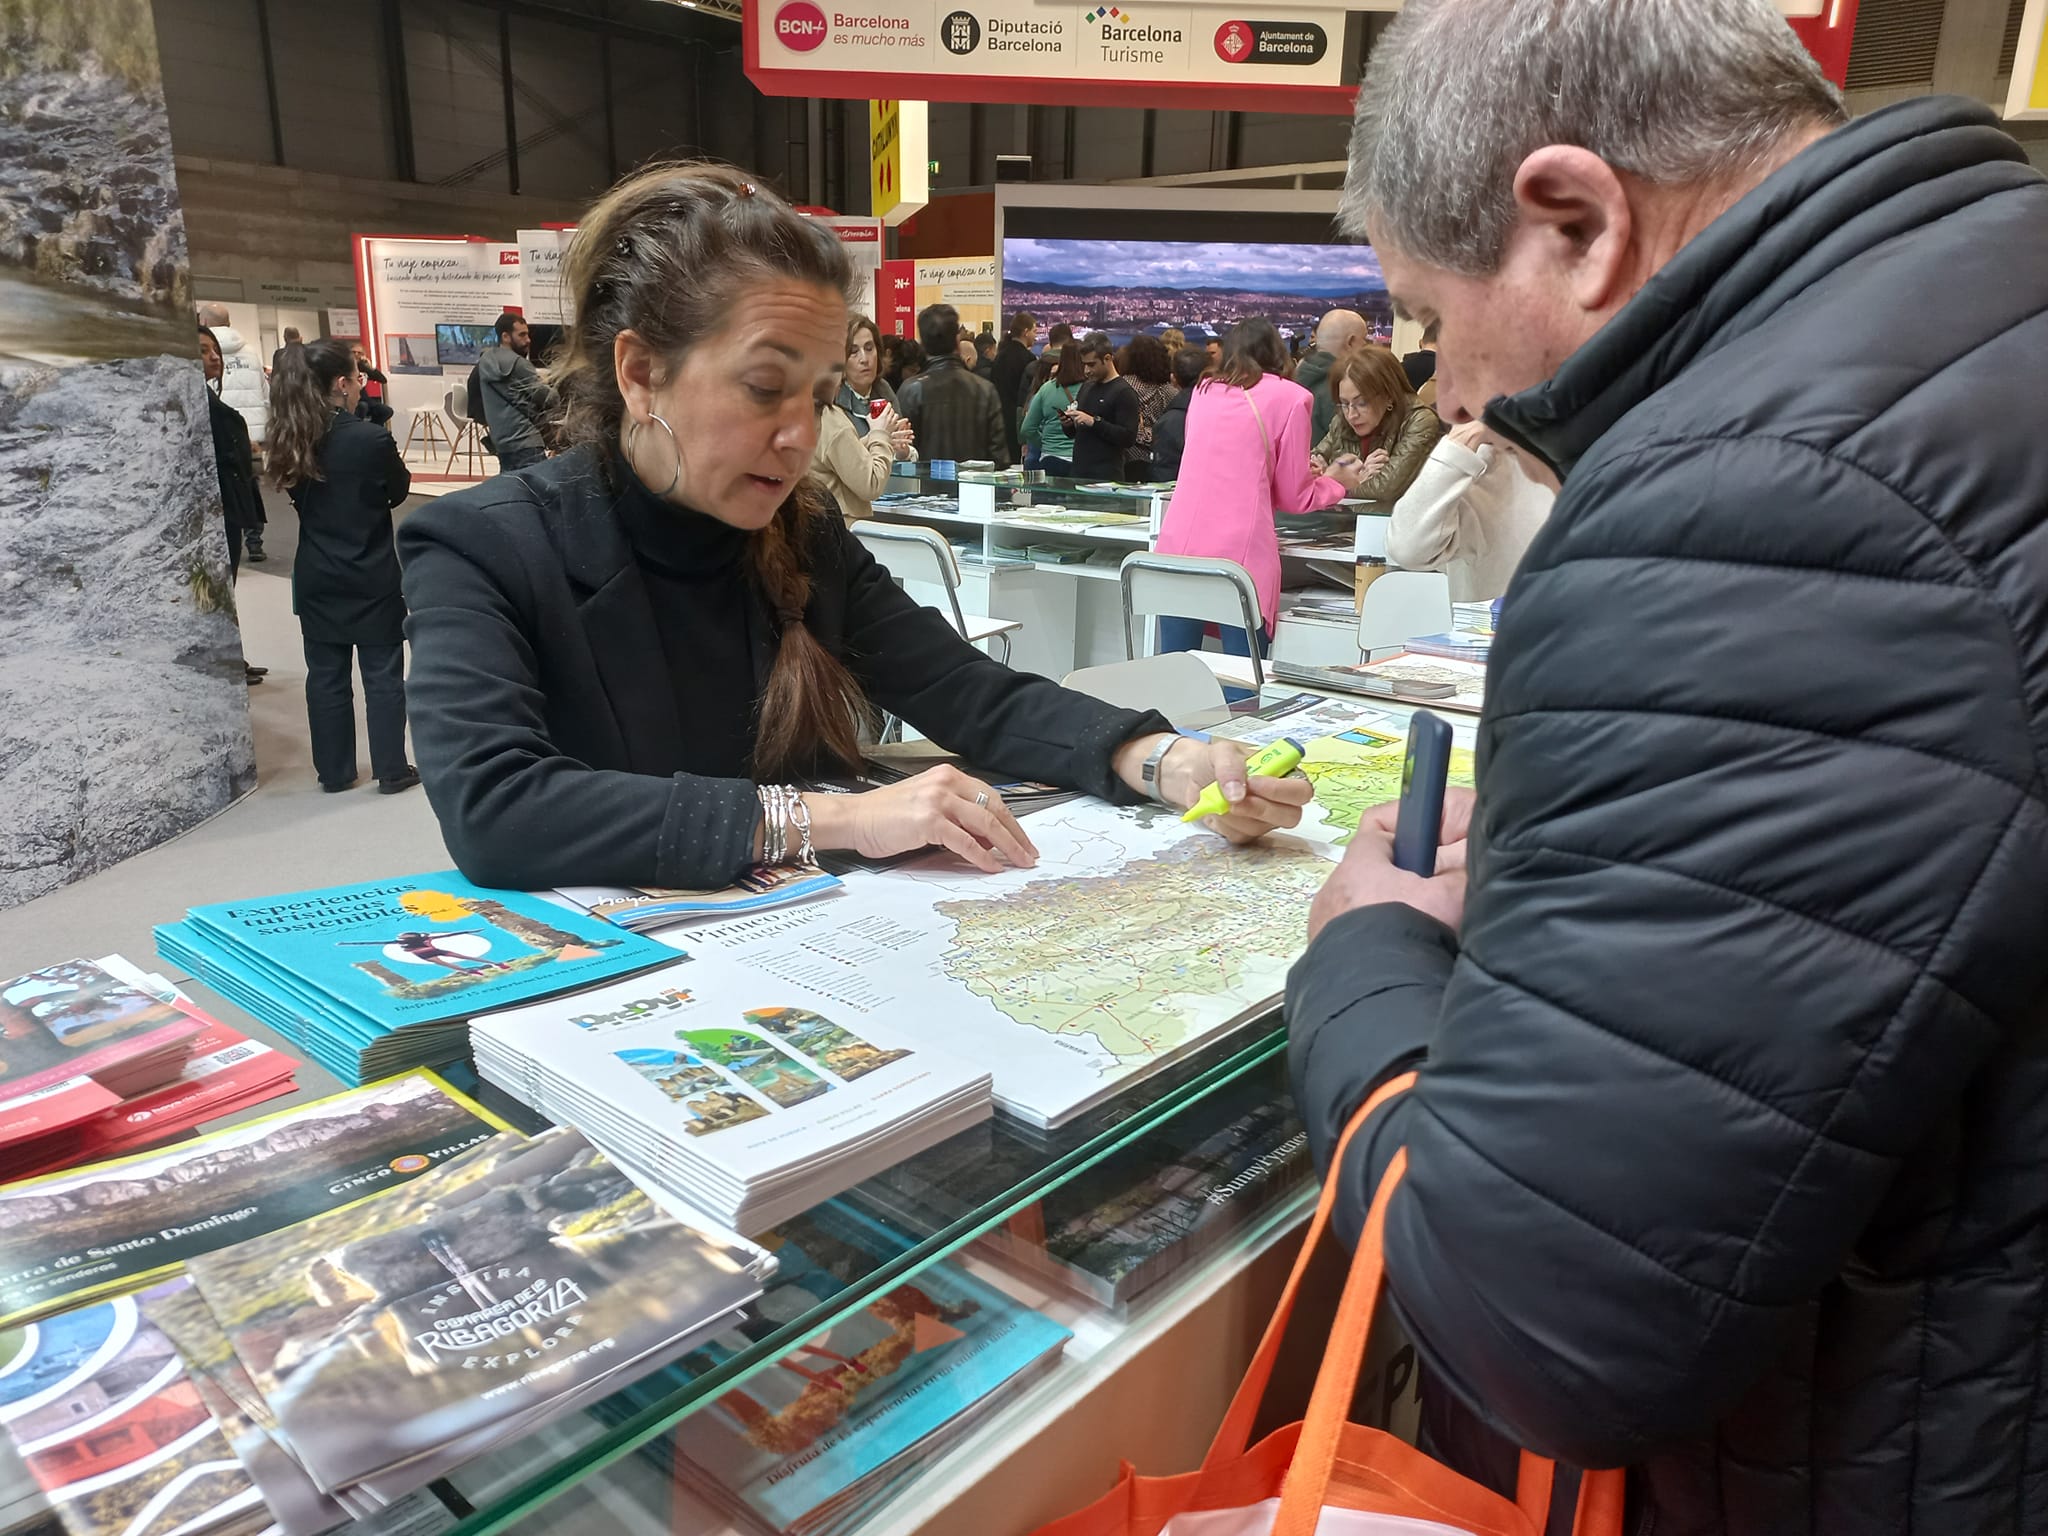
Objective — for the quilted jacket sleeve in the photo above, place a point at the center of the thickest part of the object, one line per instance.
(1748, 908)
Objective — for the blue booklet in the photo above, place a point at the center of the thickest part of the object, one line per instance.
(810, 1445)
(375, 977)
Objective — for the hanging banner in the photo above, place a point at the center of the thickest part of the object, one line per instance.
(885, 156)
(1278, 55)
(896, 298)
(428, 305)
(968, 283)
(863, 241)
(1290, 57)
(543, 255)
(899, 134)
(2028, 96)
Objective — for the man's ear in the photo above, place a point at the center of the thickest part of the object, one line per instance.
(1572, 202)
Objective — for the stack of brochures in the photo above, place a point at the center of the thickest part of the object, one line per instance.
(371, 979)
(812, 1446)
(98, 1058)
(69, 1237)
(1161, 1203)
(641, 908)
(344, 1363)
(1436, 682)
(224, 1073)
(1458, 645)
(737, 1093)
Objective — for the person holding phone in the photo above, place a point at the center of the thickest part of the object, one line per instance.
(1045, 423)
(853, 470)
(1104, 420)
(863, 384)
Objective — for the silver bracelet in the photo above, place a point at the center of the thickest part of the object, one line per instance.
(774, 832)
(800, 814)
(782, 807)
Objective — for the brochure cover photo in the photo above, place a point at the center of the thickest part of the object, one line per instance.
(116, 1225)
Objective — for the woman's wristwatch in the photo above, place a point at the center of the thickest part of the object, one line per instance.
(1149, 774)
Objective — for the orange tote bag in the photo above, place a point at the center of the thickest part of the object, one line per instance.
(1325, 1476)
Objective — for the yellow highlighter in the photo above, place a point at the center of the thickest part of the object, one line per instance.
(1274, 762)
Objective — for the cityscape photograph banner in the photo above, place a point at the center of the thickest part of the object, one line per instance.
(1158, 53)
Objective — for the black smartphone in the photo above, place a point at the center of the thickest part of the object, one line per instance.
(1425, 772)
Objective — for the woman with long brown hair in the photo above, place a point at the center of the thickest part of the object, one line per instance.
(344, 476)
(627, 660)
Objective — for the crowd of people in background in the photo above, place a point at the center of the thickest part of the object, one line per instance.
(1246, 429)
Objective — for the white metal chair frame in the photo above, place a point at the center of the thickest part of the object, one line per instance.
(1184, 571)
(899, 540)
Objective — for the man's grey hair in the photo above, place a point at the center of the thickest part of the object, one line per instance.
(1458, 93)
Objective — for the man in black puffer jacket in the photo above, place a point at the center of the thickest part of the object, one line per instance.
(1728, 1149)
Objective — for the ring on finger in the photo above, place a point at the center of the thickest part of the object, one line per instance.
(981, 800)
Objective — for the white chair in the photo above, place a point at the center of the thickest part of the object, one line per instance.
(1194, 587)
(469, 435)
(919, 554)
(426, 423)
(1175, 683)
(1400, 605)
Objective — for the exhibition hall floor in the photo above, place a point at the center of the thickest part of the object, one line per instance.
(286, 834)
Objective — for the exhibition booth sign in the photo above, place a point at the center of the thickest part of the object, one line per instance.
(1299, 57)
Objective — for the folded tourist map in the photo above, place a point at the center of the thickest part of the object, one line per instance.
(1135, 940)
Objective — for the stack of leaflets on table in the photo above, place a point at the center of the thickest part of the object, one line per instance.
(77, 1043)
(123, 1441)
(226, 1073)
(1169, 1198)
(69, 1237)
(371, 979)
(738, 1094)
(1431, 681)
(1459, 645)
(811, 1445)
(641, 908)
(378, 1348)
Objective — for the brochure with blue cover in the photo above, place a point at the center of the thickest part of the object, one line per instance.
(809, 1446)
(377, 977)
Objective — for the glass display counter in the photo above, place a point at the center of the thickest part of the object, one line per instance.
(907, 1220)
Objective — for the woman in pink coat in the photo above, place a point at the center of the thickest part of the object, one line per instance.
(1248, 439)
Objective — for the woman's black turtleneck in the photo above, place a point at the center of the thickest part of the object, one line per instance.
(696, 577)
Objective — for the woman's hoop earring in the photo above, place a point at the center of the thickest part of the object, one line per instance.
(633, 431)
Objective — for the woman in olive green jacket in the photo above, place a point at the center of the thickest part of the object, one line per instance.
(1380, 421)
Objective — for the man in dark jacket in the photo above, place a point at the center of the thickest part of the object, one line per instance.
(1013, 362)
(1727, 1158)
(517, 401)
(954, 414)
(1170, 433)
(1105, 416)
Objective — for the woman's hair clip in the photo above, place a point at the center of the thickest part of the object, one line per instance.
(625, 245)
(746, 189)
